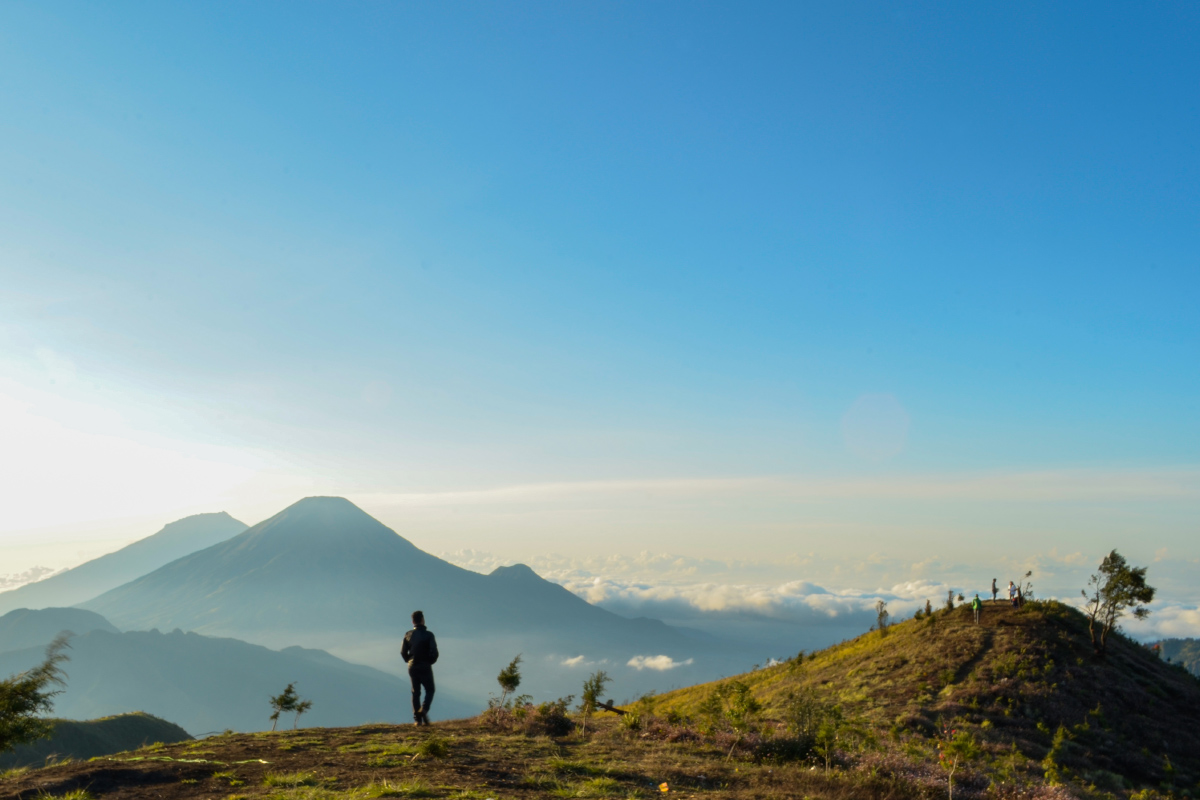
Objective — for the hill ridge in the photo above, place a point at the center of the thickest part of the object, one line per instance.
(1013, 681)
(106, 572)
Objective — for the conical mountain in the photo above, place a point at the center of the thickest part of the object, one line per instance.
(323, 564)
(109, 571)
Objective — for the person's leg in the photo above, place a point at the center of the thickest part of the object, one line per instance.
(427, 679)
(415, 676)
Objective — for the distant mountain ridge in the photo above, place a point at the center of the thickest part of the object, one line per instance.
(323, 573)
(24, 627)
(81, 740)
(204, 683)
(1185, 652)
(324, 564)
(109, 571)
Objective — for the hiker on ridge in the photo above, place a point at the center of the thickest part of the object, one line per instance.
(994, 590)
(977, 606)
(420, 652)
(1012, 593)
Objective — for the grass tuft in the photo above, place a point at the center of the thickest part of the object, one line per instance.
(74, 794)
(434, 747)
(562, 766)
(291, 779)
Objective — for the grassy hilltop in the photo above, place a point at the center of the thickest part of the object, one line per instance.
(1045, 718)
(1024, 683)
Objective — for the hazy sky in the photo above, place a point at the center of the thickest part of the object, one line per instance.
(725, 280)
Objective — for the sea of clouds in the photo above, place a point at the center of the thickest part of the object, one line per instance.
(765, 604)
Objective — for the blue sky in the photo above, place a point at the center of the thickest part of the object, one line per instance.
(396, 249)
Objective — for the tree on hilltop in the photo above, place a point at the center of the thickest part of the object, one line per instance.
(1116, 589)
(289, 702)
(24, 696)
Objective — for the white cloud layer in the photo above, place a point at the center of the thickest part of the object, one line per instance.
(659, 663)
(728, 596)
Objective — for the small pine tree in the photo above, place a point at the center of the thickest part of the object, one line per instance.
(881, 616)
(829, 732)
(284, 703)
(301, 707)
(509, 679)
(593, 687)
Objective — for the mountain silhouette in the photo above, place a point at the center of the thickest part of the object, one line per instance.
(80, 741)
(324, 564)
(33, 628)
(114, 569)
(323, 573)
(210, 684)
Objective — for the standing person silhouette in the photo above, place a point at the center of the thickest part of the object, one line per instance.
(994, 591)
(420, 652)
(977, 606)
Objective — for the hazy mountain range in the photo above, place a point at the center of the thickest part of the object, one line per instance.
(324, 574)
(110, 571)
(202, 683)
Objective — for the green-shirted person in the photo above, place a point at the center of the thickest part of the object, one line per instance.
(977, 607)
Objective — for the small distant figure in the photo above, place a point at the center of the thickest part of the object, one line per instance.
(977, 606)
(1012, 593)
(995, 591)
(1020, 598)
(420, 652)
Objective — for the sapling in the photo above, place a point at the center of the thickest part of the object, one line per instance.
(955, 748)
(593, 687)
(509, 679)
(285, 702)
(301, 707)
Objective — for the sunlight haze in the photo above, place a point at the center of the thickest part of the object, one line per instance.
(693, 308)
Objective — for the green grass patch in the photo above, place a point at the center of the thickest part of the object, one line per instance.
(291, 779)
(596, 787)
(562, 766)
(413, 788)
(434, 747)
(229, 777)
(74, 794)
(15, 772)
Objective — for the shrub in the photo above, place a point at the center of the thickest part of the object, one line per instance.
(434, 747)
(543, 719)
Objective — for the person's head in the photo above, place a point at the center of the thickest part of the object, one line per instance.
(418, 617)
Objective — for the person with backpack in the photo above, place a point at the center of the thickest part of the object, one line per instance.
(994, 590)
(977, 607)
(420, 652)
